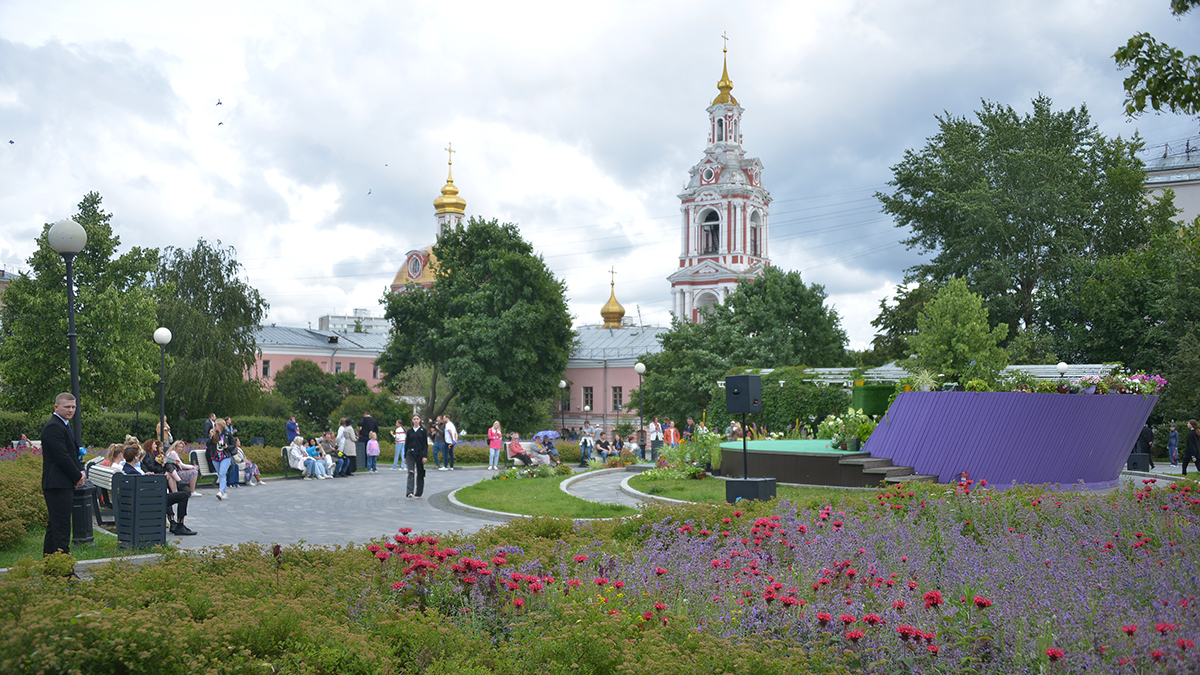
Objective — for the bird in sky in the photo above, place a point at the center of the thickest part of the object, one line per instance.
(220, 123)
(368, 192)
(218, 101)
(12, 142)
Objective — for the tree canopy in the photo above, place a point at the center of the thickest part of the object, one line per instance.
(1161, 77)
(115, 321)
(212, 314)
(1006, 201)
(495, 324)
(316, 393)
(774, 321)
(953, 337)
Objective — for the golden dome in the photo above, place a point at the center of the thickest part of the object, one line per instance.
(612, 311)
(725, 85)
(450, 202)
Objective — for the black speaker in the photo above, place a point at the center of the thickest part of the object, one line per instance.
(743, 394)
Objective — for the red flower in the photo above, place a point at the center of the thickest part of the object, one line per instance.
(872, 619)
(405, 530)
(1129, 630)
(1164, 628)
(647, 615)
(824, 618)
(932, 599)
(600, 581)
(1184, 644)
(659, 606)
(398, 585)
(618, 584)
(854, 636)
(905, 632)
(898, 605)
(518, 603)
(659, 571)
(933, 649)
(982, 602)
(1054, 654)
(383, 555)
(738, 514)
(580, 558)
(573, 583)
(373, 548)
(1156, 655)
(848, 619)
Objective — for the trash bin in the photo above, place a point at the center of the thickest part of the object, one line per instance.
(81, 515)
(1138, 461)
(140, 505)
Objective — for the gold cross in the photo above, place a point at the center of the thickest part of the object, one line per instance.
(726, 39)
(612, 272)
(449, 153)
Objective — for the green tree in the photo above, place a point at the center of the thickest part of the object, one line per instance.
(896, 324)
(1181, 398)
(1006, 201)
(953, 337)
(495, 324)
(383, 407)
(212, 314)
(114, 319)
(1161, 76)
(774, 321)
(315, 393)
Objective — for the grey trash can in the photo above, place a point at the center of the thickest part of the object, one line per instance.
(140, 505)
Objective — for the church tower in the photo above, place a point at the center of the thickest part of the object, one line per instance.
(724, 229)
(448, 212)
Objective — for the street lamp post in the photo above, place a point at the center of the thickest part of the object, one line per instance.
(162, 336)
(640, 368)
(68, 238)
(562, 411)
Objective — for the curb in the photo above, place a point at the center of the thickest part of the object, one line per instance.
(648, 497)
(580, 476)
(1169, 477)
(454, 500)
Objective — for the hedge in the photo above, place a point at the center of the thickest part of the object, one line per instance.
(21, 502)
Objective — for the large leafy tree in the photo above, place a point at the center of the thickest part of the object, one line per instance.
(896, 324)
(774, 321)
(1161, 77)
(316, 393)
(1005, 201)
(114, 319)
(212, 313)
(495, 324)
(954, 339)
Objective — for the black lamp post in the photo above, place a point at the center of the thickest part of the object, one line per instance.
(640, 368)
(68, 238)
(562, 410)
(162, 336)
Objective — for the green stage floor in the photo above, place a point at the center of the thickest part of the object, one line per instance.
(808, 447)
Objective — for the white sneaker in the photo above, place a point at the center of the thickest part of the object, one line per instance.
(197, 494)
(220, 495)
(308, 478)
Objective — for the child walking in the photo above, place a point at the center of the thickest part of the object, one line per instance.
(372, 452)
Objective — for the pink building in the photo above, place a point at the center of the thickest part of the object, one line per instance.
(333, 351)
(600, 372)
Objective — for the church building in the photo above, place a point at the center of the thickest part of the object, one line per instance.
(449, 210)
(725, 227)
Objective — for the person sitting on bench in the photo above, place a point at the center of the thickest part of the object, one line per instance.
(178, 500)
(604, 448)
(517, 453)
(548, 449)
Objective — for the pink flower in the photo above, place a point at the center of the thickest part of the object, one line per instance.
(398, 585)
(618, 584)
(373, 548)
(600, 581)
(659, 606)
(581, 558)
(518, 602)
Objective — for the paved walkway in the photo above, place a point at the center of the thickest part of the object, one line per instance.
(332, 512)
(605, 488)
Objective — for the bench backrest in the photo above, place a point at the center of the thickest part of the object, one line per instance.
(102, 475)
(199, 458)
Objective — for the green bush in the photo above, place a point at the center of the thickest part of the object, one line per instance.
(13, 424)
(21, 502)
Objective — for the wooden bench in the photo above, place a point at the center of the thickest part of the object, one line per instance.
(294, 473)
(529, 447)
(201, 462)
(101, 477)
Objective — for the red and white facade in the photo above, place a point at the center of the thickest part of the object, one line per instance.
(725, 215)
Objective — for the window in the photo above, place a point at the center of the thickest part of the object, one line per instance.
(720, 130)
(564, 399)
(711, 232)
(708, 175)
(587, 398)
(375, 371)
(266, 368)
(618, 398)
(352, 365)
(337, 367)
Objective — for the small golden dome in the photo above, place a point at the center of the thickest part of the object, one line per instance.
(612, 311)
(725, 85)
(450, 202)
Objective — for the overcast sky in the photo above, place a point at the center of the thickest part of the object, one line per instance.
(578, 121)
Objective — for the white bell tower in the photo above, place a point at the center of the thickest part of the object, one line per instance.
(724, 229)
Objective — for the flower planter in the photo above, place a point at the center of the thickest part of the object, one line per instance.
(1007, 437)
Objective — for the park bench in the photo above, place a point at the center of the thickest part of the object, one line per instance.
(288, 471)
(530, 448)
(101, 477)
(199, 459)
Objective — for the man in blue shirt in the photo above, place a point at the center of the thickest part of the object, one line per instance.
(292, 429)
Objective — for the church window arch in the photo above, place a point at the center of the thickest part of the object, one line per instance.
(755, 234)
(704, 301)
(710, 232)
(720, 130)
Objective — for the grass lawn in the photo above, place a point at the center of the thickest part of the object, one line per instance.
(536, 497)
(104, 546)
(713, 490)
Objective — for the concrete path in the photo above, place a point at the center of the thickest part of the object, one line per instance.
(332, 512)
(604, 488)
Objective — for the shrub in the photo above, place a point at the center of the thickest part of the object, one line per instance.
(13, 424)
(21, 502)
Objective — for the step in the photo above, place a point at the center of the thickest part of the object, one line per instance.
(890, 471)
(867, 462)
(912, 478)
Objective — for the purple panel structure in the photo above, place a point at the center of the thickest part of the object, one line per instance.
(1007, 437)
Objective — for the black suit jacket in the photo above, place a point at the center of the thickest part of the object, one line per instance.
(60, 456)
(365, 427)
(416, 443)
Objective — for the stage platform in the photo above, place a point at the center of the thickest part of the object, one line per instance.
(807, 463)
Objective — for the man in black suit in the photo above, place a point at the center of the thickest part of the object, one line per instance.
(416, 452)
(208, 425)
(365, 426)
(61, 474)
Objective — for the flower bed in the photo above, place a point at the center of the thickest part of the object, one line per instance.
(917, 579)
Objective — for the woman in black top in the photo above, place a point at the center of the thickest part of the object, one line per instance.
(416, 452)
